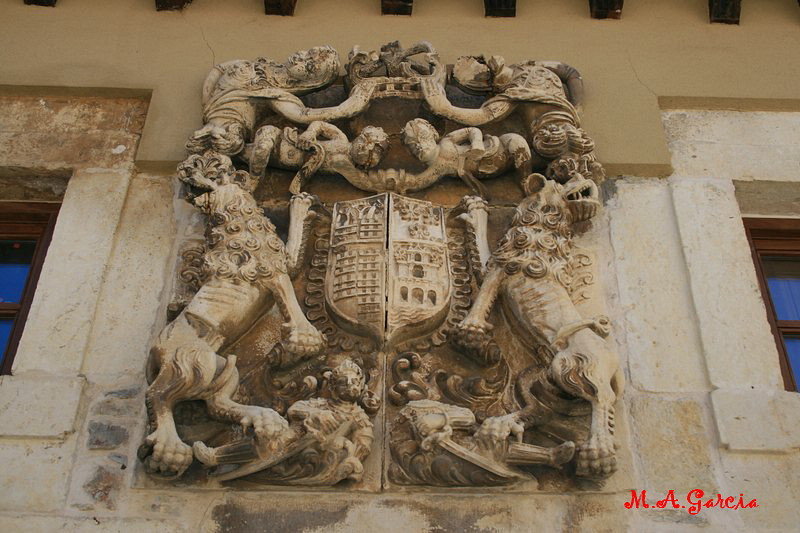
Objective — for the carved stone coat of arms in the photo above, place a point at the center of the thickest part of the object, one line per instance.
(388, 291)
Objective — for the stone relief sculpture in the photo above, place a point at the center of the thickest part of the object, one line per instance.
(386, 259)
(245, 270)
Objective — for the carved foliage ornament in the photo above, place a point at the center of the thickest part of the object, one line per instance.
(353, 252)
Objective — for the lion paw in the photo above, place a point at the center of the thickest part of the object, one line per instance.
(596, 458)
(472, 338)
(304, 341)
(301, 202)
(266, 423)
(170, 455)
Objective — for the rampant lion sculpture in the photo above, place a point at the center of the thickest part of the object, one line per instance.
(531, 270)
(245, 270)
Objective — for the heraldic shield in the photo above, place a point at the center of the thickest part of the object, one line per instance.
(388, 276)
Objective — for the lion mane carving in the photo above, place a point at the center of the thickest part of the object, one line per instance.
(245, 270)
(533, 272)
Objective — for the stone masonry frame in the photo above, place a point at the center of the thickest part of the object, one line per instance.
(93, 139)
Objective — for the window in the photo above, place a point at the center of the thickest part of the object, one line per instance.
(25, 232)
(775, 244)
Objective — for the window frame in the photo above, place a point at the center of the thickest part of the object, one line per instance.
(771, 237)
(25, 221)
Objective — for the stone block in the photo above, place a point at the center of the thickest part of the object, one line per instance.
(736, 145)
(769, 479)
(671, 438)
(86, 150)
(130, 301)
(104, 486)
(58, 115)
(63, 308)
(97, 483)
(757, 420)
(104, 436)
(34, 474)
(657, 314)
(48, 524)
(739, 348)
(38, 406)
(123, 402)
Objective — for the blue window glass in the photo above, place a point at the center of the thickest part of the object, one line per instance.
(15, 263)
(792, 343)
(783, 280)
(5, 332)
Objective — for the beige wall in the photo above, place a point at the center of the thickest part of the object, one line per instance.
(658, 49)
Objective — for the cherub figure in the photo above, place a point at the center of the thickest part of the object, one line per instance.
(466, 153)
(322, 147)
(531, 88)
(232, 90)
(330, 435)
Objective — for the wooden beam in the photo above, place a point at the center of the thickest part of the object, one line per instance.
(279, 7)
(49, 3)
(724, 11)
(606, 9)
(396, 7)
(500, 8)
(171, 5)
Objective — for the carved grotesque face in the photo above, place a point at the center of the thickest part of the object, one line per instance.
(348, 382)
(421, 138)
(316, 67)
(369, 147)
(205, 172)
(546, 197)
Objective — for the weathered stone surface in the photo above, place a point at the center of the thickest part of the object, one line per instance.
(653, 289)
(36, 473)
(672, 444)
(47, 524)
(724, 288)
(734, 145)
(38, 406)
(105, 150)
(757, 420)
(768, 198)
(31, 187)
(103, 436)
(104, 486)
(771, 480)
(131, 295)
(62, 314)
(118, 403)
(63, 115)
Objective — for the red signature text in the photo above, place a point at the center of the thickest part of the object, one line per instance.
(695, 501)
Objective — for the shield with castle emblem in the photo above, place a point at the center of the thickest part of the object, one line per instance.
(388, 276)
